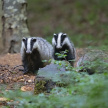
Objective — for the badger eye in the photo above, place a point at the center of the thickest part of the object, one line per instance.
(34, 40)
(23, 39)
(64, 34)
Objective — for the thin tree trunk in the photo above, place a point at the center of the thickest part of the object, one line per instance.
(14, 24)
(1, 43)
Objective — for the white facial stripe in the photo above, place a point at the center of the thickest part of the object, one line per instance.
(53, 42)
(59, 40)
(28, 44)
(36, 44)
(66, 41)
(23, 45)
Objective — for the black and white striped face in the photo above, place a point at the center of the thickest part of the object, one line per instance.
(59, 39)
(28, 44)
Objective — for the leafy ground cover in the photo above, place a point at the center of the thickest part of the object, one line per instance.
(83, 91)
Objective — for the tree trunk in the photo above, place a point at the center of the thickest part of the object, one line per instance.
(1, 44)
(14, 24)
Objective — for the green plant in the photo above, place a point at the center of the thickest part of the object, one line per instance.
(82, 91)
(62, 54)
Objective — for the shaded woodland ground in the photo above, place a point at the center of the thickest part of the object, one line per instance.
(10, 73)
(16, 89)
(12, 77)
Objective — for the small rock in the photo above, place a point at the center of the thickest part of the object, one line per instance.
(94, 62)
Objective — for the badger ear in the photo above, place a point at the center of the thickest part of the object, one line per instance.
(54, 34)
(34, 39)
(23, 39)
(64, 34)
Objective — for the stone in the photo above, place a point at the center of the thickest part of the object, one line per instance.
(49, 77)
(94, 61)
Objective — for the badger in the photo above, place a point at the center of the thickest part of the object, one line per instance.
(61, 43)
(33, 51)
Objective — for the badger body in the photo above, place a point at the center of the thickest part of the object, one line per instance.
(33, 51)
(61, 43)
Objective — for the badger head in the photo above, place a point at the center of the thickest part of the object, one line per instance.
(59, 40)
(28, 44)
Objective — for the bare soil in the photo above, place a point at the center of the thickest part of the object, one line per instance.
(11, 73)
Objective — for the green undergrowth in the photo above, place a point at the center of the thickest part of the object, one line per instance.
(83, 91)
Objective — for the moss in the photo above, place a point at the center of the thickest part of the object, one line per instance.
(61, 84)
(39, 87)
(43, 85)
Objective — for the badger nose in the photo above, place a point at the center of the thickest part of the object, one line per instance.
(58, 47)
(28, 52)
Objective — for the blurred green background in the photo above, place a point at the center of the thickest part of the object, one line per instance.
(85, 21)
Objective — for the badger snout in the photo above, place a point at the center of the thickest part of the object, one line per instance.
(28, 52)
(58, 47)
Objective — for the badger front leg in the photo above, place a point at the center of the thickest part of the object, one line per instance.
(25, 65)
(71, 59)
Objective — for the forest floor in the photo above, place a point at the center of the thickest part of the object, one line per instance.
(11, 75)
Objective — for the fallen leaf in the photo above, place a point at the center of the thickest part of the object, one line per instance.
(26, 88)
(3, 99)
(29, 81)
